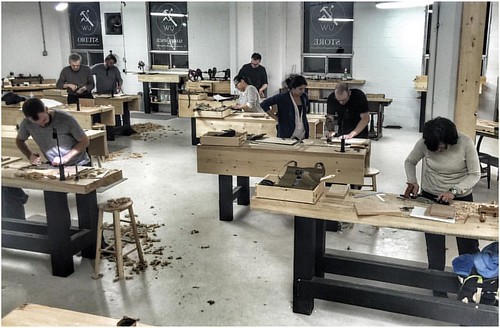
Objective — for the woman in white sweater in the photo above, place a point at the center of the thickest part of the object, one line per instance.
(450, 169)
(249, 100)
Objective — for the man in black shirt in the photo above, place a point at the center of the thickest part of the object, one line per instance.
(351, 107)
(256, 73)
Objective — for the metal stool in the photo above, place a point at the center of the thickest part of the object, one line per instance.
(116, 207)
(372, 173)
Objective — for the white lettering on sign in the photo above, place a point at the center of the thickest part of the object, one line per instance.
(326, 42)
(88, 39)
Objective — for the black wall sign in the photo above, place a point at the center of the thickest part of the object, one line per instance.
(85, 25)
(323, 32)
(169, 27)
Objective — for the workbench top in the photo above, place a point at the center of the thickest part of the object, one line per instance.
(82, 186)
(343, 210)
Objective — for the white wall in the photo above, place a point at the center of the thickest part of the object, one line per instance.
(22, 44)
(208, 34)
(388, 55)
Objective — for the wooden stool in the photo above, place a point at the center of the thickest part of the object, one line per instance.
(116, 209)
(372, 173)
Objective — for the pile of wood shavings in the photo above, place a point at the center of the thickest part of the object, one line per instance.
(144, 130)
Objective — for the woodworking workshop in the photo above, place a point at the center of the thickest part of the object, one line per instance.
(249, 163)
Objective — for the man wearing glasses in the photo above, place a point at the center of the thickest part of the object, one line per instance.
(351, 107)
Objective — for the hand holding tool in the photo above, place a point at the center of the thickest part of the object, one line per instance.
(411, 190)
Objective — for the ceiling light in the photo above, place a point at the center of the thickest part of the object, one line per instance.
(402, 4)
(325, 19)
(168, 14)
(61, 6)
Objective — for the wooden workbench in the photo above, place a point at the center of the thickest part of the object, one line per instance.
(250, 160)
(377, 279)
(41, 315)
(57, 237)
(98, 144)
(32, 90)
(173, 79)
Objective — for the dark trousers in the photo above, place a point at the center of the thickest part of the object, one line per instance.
(13, 200)
(436, 247)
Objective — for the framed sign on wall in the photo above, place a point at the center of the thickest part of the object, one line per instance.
(85, 25)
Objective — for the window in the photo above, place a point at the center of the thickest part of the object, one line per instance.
(168, 34)
(327, 38)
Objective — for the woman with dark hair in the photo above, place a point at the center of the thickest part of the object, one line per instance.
(450, 169)
(292, 108)
(249, 100)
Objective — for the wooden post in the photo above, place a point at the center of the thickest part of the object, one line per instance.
(469, 66)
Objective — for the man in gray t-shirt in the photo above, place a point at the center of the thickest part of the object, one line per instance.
(108, 77)
(41, 123)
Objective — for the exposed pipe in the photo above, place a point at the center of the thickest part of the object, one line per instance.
(44, 53)
(122, 5)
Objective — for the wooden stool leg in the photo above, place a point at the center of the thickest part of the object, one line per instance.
(98, 243)
(374, 182)
(136, 233)
(118, 244)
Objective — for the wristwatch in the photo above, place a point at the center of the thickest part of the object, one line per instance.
(454, 191)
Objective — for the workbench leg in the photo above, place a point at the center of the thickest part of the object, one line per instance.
(372, 134)
(87, 219)
(194, 140)
(174, 104)
(226, 197)
(59, 233)
(244, 190)
(380, 122)
(319, 270)
(146, 99)
(304, 263)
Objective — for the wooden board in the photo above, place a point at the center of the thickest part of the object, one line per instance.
(166, 78)
(376, 208)
(337, 191)
(444, 211)
(40, 315)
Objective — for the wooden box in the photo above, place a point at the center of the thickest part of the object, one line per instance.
(214, 139)
(219, 113)
(288, 194)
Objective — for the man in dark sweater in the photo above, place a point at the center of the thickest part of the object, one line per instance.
(108, 77)
(352, 109)
(76, 79)
(257, 74)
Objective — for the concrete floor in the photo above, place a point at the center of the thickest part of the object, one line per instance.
(243, 266)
